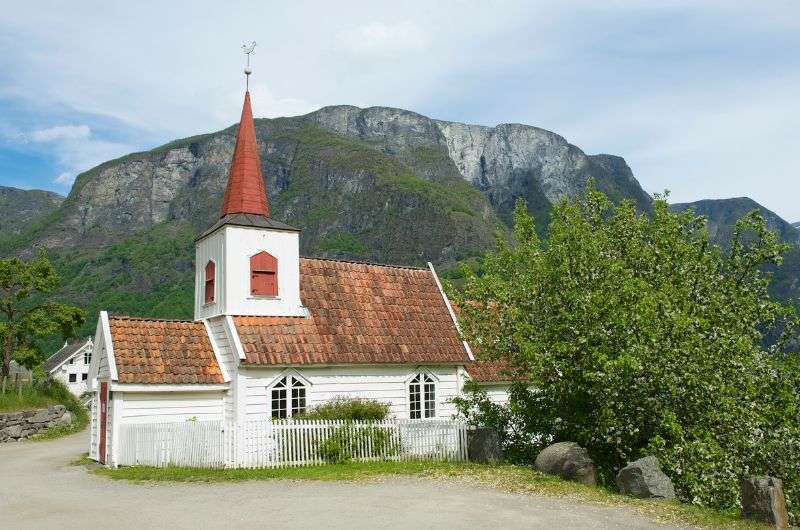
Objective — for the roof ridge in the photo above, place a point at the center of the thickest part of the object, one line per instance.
(371, 263)
(149, 319)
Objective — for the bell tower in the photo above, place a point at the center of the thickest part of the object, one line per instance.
(246, 263)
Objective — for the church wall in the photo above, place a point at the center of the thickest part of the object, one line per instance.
(383, 383)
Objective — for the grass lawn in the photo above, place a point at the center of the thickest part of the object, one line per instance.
(514, 479)
(28, 398)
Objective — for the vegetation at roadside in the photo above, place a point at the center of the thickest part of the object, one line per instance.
(506, 477)
(28, 314)
(641, 338)
(42, 393)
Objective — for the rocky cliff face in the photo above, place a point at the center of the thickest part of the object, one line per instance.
(344, 173)
(20, 209)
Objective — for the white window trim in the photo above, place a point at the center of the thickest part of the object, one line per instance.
(436, 404)
(290, 375)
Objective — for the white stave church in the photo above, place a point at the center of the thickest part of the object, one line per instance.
(275, 333)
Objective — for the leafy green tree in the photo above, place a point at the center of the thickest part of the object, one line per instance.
(26, 316)
(640, 338)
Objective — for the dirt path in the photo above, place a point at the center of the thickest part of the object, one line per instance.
(39, 489)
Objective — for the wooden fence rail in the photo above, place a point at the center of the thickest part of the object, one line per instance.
(286, 443)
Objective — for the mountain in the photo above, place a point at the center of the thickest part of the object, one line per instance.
(721, 216)
(378, 184)
(19, 209)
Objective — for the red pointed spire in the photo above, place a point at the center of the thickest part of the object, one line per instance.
(245, 192)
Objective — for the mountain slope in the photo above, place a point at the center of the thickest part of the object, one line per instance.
(376, 184)
(722, 214)
(19, 209)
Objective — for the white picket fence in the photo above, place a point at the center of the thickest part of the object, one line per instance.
(286, 443)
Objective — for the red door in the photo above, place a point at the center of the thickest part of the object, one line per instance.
(101, 448)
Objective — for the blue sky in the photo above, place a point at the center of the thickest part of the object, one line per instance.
(700, 97)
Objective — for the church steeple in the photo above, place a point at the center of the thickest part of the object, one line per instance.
(247, 264)
(245, 192)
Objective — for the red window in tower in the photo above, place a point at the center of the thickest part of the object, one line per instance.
(211, 274)
(263, 275)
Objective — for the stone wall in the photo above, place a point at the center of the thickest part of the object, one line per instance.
(15, 426)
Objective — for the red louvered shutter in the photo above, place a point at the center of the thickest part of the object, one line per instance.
(211, 274)
(263, 275)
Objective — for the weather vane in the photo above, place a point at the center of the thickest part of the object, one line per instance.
(248, 49)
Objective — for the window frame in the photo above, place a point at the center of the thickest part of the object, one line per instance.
(87, 356)
(424, 395)
(294, 387)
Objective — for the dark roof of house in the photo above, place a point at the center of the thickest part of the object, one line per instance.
(66, 351)
(248, 219)
(491, 372)
(152, 351)
(358, 313)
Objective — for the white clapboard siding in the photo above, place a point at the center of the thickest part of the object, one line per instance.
(287, 443)
(388, 384)
(230, 361)
(150, 407)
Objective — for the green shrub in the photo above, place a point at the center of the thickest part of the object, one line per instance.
(343, 443)
(350, 409)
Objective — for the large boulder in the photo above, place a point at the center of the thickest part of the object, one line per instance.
(644, 479)
(65, 419)
(569, 461)
(484, 446)
(763, 500)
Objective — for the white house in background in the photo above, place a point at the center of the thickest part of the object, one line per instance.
(275, 333)
(70, 365)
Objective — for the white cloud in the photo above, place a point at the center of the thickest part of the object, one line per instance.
(381, 40)
(65, 178)
(60, 132)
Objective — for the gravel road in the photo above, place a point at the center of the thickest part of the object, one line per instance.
(40, 489)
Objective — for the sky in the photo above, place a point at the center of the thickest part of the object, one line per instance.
(700, 97)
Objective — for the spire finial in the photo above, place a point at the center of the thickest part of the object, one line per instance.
(248, 49)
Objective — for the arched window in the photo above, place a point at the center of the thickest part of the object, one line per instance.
(422, 397)
(263, 275)
(211, 274)
(288, 397)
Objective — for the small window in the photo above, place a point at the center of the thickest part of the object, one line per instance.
(263, 275)
(87, 357)
(288, 398)
(84, 377)
(422, 397)
(211, 275)
(71, 361)
(73, 378)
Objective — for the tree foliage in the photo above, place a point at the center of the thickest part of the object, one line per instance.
(26, 315)
(641, 338)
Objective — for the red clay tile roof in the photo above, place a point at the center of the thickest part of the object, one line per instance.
(359, 313)
(245, 192)
(163, 351)
(491, 372)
